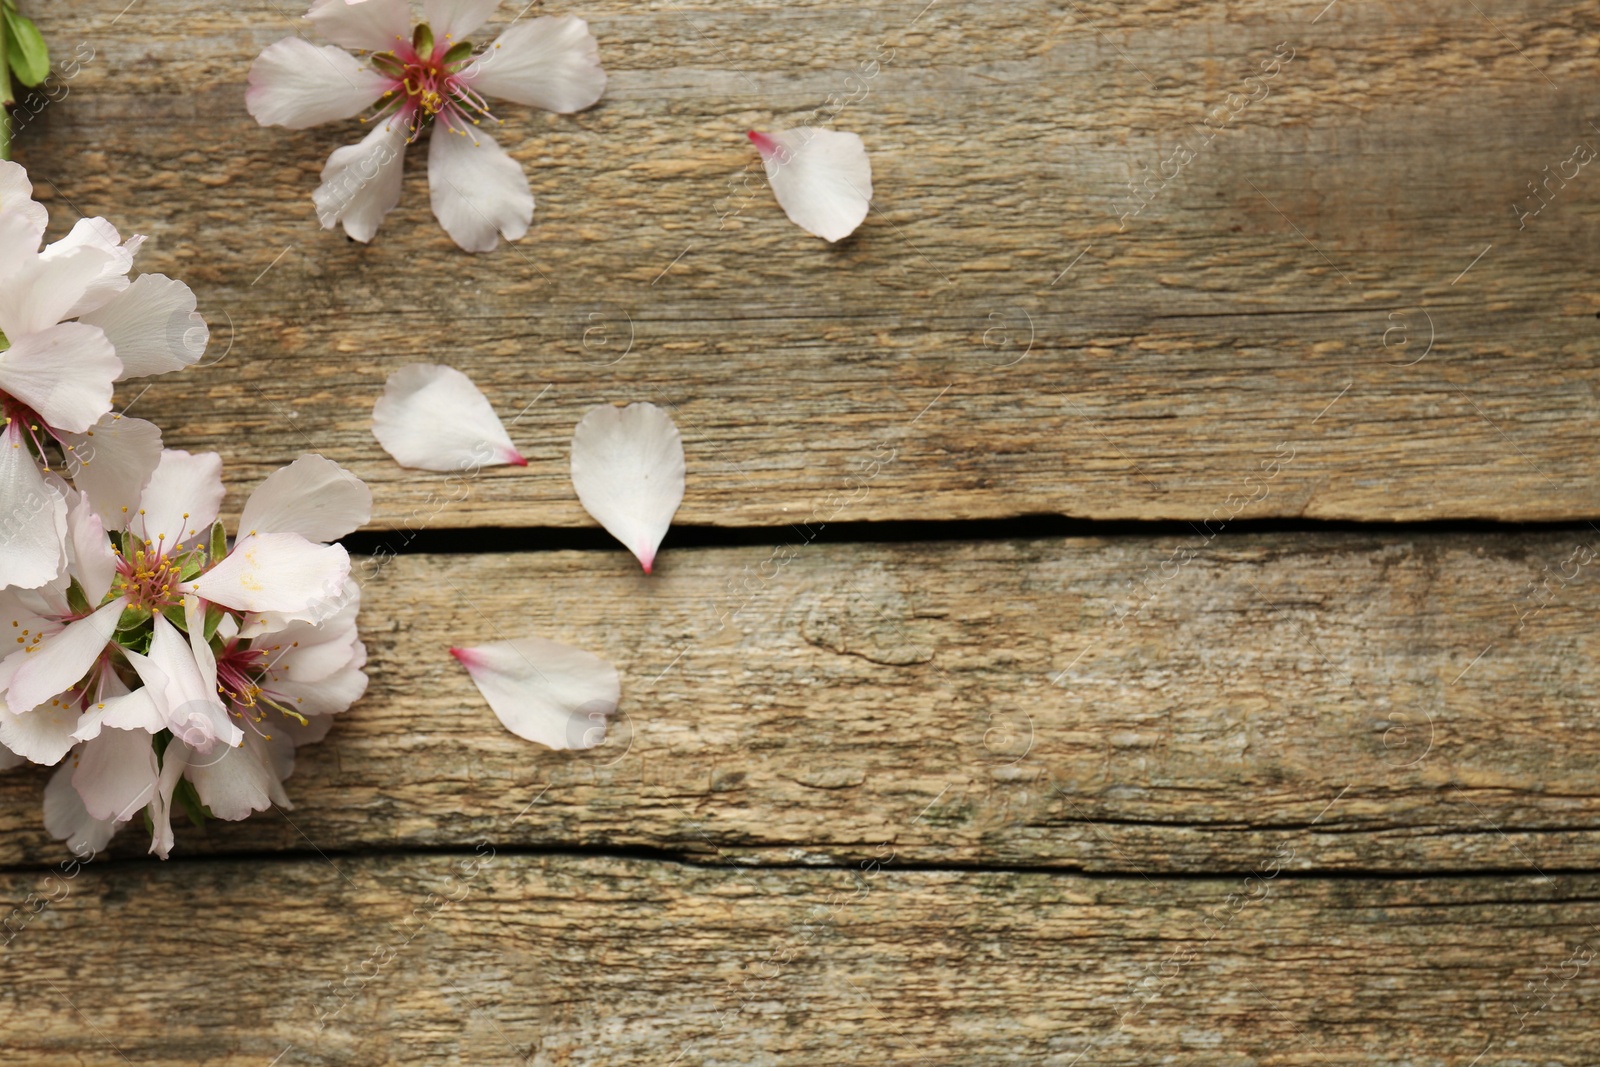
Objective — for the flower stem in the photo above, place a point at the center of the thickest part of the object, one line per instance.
(6, 99)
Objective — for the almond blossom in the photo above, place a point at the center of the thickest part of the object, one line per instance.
(72, 324)
(628, 470)
(413, 77)
(173, 667)
(822, 178)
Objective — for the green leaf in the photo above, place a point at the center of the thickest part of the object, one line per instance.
(219, 541)
(77, 599)
(213, 620)
(188, 799)
(175, 615)
(25, 49)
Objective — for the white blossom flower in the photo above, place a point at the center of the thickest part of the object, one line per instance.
(412, 77)
(628, 470)
(72, 325)
(219, 659)
(822, 178)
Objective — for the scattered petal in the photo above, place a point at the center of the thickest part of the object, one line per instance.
(551, 62)
(822, 178)
(479, 193)
(544, 691)
(434, 418)
(313, 497)
(628, 469)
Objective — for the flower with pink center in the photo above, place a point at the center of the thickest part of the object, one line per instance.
(424, 76)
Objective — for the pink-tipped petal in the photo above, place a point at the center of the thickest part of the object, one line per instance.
(434, 418)
(543, 691)
(822, 178)
(628, 470)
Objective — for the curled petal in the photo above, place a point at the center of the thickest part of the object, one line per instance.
(298, 85)
(279, 572)
(544, 691)
(479, 193)
(372, 25)
(822, 178)
(433, 418)
(628, 469)
(153, 326)
(551, 62)
(361, 182)
(313, 497)
(33, 517)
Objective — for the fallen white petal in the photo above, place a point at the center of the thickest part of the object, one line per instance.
(628, 469)
(822, 178)
(371, 25)
(544, 691)
(361, 182)
(180, 501)
(479, 193)
(33, 517)
(64, 372)
(433, 418)
(313, 497)
(61, 661)
(111, 464)
(294, 83)
(550, 62)
(281, 572)
(153, 326)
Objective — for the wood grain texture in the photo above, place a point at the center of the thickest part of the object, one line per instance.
(494, 959)
(1339, 267)
(1152, 705)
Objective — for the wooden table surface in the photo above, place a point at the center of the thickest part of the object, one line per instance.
(1205, 672)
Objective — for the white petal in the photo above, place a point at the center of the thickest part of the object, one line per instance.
(44, 734)
(101, 235)
(130, 711)
(361, 182)
(544, 691)
(185, 695)
(61, 661)
(280, 572)
(63, 372)
(456, 19)
(313, 497)
(117, 774)
(92, 561)
(433, 418)
(16, 197)
(174, 761)
(372, 25)
(822, 178)
(233, 782)
(627, 466)
(33, 517)
(298, 85)
(37, 293)
(66, 819)
(153, 326)
(112, 463)
(550, 62)
(180, 501)
(326, 696)
(478, 192)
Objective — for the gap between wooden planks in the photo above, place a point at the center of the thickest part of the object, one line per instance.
(1169, 704)
(1339, 270)
(481, 958)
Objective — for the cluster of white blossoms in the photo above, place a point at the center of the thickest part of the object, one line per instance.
(158, 661)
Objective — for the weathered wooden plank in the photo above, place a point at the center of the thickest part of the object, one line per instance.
(500, 959)
(1151, 704)
(1339, 269)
